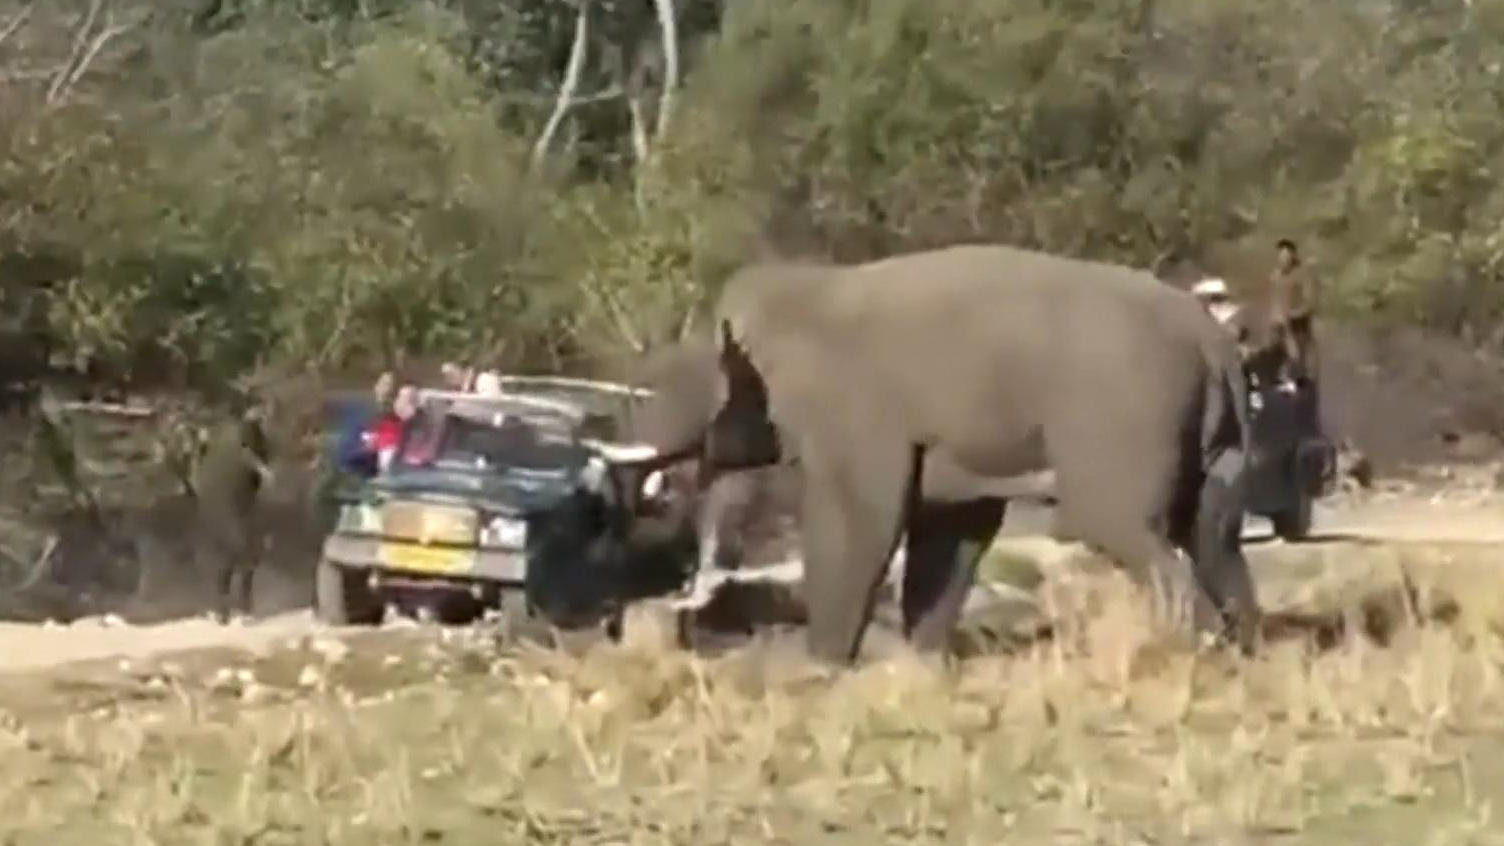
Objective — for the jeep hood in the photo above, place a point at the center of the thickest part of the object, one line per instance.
(515, 491)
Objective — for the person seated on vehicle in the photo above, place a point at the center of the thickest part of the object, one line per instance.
(387, 435)
(354, 453)
(488, 383)
(457, 377)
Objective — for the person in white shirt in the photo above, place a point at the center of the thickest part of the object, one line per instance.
(1214, 295)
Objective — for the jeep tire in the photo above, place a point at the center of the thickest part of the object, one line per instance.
(521, 622)
(1294, 523)
(341, 597)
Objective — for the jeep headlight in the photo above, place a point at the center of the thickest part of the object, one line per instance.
(360, 518)
(510, 532)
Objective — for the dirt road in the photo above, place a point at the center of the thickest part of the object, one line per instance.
(1402, 519)
(25, 646)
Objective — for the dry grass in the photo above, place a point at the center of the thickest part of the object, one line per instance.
(1109, 733)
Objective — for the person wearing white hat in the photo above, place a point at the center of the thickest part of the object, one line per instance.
(1214, 295)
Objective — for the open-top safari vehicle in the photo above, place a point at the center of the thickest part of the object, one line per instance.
(524, 502)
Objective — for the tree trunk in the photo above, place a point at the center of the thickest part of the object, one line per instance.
(569, 86)
(669, 30)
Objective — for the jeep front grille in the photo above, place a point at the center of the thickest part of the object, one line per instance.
(429, 523)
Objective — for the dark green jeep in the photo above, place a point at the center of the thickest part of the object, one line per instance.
(523, 502)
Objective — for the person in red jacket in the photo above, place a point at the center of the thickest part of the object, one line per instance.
(386, 435)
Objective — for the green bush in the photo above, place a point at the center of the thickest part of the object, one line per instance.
(330, 184)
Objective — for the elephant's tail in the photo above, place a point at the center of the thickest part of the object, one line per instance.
(1224, 425)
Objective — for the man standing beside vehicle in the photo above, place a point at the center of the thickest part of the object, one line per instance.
(1214, 296)
(226, 485)
(1217, 300)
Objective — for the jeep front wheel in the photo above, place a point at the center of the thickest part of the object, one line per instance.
(341, 597)
(521, 622)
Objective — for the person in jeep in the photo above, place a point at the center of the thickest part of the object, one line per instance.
(354, 450)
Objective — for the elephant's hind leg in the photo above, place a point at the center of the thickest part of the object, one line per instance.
(853, 512)
(1123, 504)
(945, 541)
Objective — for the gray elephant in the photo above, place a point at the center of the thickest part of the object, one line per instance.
(919, 393)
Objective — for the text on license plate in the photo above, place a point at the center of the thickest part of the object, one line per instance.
(425, 559)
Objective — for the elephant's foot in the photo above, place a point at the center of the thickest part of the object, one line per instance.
(1187, 608)
(780, 659)
(1240, 630)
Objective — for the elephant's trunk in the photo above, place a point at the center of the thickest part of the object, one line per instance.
(684, 381)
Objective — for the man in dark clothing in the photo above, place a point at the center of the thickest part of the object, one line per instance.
(226, 486)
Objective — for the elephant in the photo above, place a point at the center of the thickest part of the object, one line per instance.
(917, 394)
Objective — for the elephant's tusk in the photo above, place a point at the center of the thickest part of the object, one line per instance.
(617, 453)
(1039, 484)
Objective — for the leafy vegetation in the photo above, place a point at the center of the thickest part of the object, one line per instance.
(198, 187)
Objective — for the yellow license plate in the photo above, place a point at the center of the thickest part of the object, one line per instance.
(425, 559)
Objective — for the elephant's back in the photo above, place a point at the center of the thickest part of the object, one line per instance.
(949, 284)
(954, 312)
(914, 282)
(945, 301)
(1066, 327)
(1014, 289)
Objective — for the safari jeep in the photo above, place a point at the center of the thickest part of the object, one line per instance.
(1292, 464)
(521, 503)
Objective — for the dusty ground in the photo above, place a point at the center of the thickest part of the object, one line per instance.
(1374, 714)
(1412, 515)
(1106, 733)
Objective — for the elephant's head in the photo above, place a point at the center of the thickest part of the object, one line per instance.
(709, 403)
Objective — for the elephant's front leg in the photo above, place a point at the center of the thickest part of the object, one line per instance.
(945, 542)
(853, 513)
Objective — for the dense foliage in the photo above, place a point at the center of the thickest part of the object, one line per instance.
(227, 183)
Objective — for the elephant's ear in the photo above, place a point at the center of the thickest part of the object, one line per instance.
(744, 384)
(742, 433)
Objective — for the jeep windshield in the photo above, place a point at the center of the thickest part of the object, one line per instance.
(486, 441)
(508, 455)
